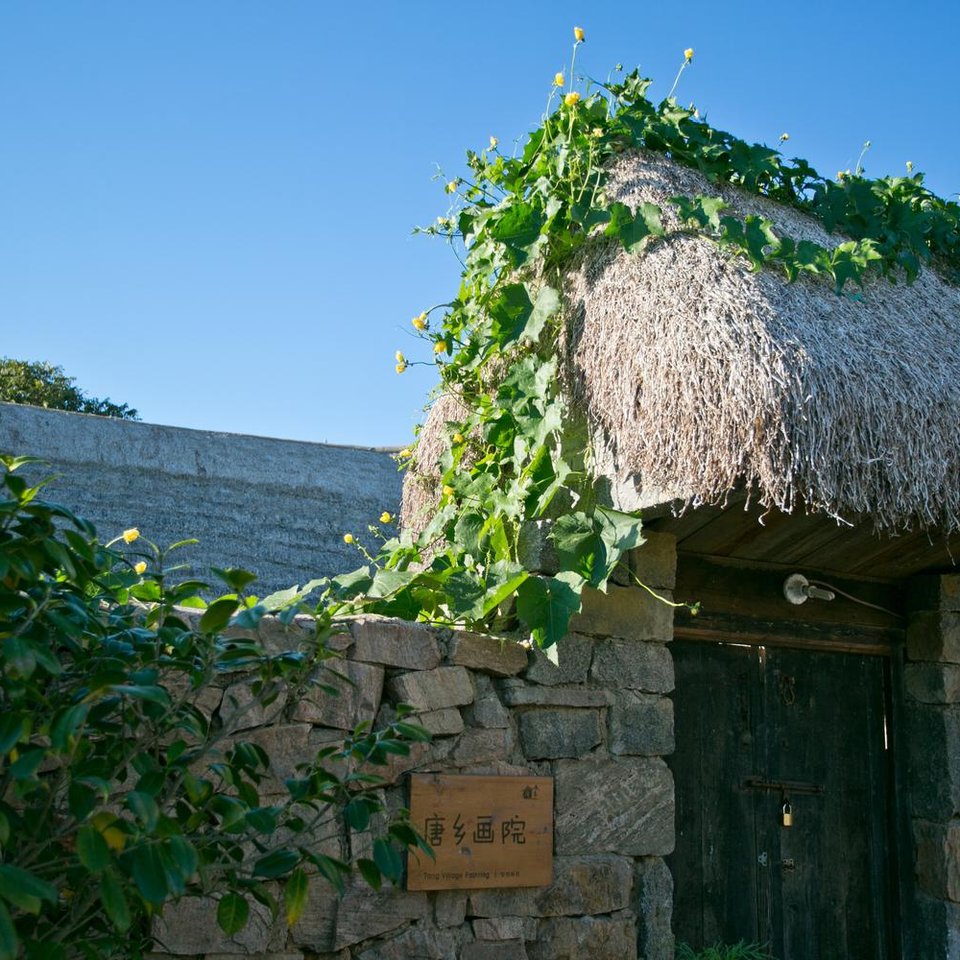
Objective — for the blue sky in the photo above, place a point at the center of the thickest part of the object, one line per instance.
(206, 205)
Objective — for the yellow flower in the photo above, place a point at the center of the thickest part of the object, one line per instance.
(451, 187)
(558, 80)
(405, 454)
(448, 491)
(440, 346)
(458, 438)
(420, 322)
(572, 98)
(688, 54)
(348, 538)
(140, 568)
(578, 34)
(400, 367)
(130, 535)
(493, 143)
(386, 517)
(400, 357)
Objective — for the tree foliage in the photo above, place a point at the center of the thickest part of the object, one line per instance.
(45, 385)
(123, 785)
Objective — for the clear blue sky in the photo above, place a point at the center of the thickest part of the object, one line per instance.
(206, 205)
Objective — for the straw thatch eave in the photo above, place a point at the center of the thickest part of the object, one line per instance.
(697, 377)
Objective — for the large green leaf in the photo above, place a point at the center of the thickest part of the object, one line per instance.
(546, 604)
(92, 849)
(295, 895)
(9, 942)
(232, 913)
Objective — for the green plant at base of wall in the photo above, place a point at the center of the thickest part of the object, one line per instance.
(737, 951)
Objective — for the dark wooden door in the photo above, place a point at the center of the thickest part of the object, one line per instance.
(758, 727)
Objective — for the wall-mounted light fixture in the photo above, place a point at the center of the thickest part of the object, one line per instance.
(798, 589)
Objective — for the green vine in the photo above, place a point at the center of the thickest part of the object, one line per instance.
(514, 458)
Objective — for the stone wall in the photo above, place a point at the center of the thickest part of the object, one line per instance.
(600, 723)
(932, 680)
(276, 507)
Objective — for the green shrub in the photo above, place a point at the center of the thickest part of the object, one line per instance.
(118, 793)
(737, 951)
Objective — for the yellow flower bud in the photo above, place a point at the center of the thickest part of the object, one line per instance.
(493, 143)
(130, 535)
(440, 346)
(458, 438)
(451, 187)
(688, 54)
(400, 357)
(909, 166)
(784, 137)
(448, 491)
(558, 80)
(405, 454)
(386, 517)
(348, 538)
(400, 367)
(578, 34)
(572, 98)
(140, 568)
(420, 322)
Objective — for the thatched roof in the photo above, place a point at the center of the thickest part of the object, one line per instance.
(697, 376)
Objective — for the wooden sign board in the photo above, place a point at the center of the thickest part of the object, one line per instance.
(484, 831)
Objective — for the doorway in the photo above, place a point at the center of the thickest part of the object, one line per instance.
(783, 776)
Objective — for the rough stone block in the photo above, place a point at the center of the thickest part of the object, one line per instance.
(599, 938)
(934, 636)
(395, 643)
(546, 734)
(937, 930)
(621, 806)
(653, 905)
(492, 950)
(364, 913)
(934, 592)
(189, 926)
(641, 724)
(241, 710)
(287, 745)
(433, 689)
(421, 942)
(358, 689)
(420, 757)
(316, 928)
(937, 848)
(450, 908)
(627, 612)
(654, 562)
(500, 657)
(482, 746)
(933, 682)
(581, 885)
(486, 710)
(633, 665)
(573, 654)
(441, 723)
(499, 928)
(516, 693)
(933, 760)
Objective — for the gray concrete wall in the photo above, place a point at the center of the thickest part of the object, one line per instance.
(276, 507)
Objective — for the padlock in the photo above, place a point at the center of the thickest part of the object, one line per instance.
(787, 814)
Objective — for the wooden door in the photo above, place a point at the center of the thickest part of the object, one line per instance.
(758, 727)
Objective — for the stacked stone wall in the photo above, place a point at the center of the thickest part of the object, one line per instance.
(599, 722)
(932, 681)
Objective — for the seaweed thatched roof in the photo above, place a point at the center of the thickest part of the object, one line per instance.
(698, 377)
